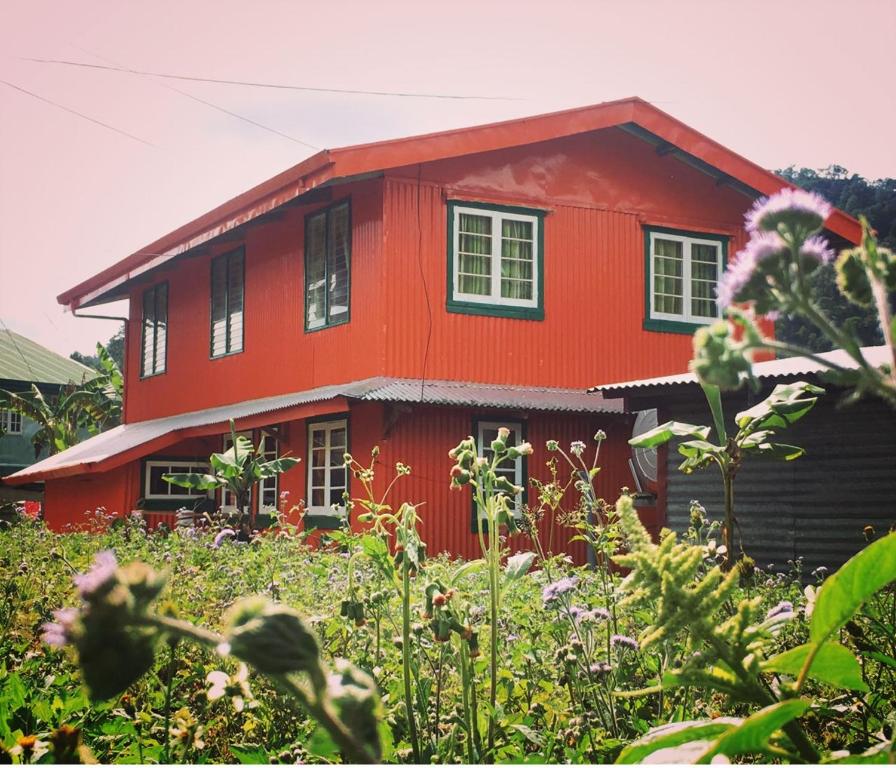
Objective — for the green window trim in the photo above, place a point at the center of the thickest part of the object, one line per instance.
(328, 256)
(493, 306)
(518, 424)
(156, 327)
(234, 272)
(686, 323)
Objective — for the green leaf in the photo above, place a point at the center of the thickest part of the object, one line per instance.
(665, 432)
(473, 566)
(321, 744)
(518, 565)
(779, 451)
(195, 480)
(786, 404)
(694, 449)
(675, 735)
(714, 398)
(249, 754)
(843, 593)
(753, 734)
(833, 664)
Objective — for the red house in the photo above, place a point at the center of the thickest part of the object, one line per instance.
(408, 293)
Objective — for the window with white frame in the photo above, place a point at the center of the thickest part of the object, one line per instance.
(327, 479)
(269, 487)
(514, 471)
(155, 487)
(684, 270)
(495, 259)
(10, 422)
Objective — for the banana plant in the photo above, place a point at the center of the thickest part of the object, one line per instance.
(237, 470)
(756, 430)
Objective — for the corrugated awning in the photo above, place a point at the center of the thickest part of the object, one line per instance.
(132, 441)
(770, 369)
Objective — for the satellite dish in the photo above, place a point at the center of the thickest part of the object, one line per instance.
(644, 460)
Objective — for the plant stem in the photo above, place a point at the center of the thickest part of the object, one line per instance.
(406, 655)
(169, 686)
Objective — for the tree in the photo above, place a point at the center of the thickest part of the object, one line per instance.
(115, 348)
(855, 195)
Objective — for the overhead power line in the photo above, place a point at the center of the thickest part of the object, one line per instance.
(75, 112)
(281, 86)
(210, 104)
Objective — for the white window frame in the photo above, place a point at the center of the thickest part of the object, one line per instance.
(495, 298)
(271, 451)
(327, 427)
(173, 466)
(8, 418)
(687, 241)
(518, 475)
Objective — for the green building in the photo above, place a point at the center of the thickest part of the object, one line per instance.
(22, 363)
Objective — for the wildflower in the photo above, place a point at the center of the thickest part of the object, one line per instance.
(762, 247)
(402, 469)
(595, 615)
(796, 209)
(818, 249)
(624, 641)
(600, 669)
(186, 730)
(101, 574)
(820, 572)
(553, 591)
(868, 532)
(284, 495)
(782, 610)
(59, 633)
(577, 448)
(600, 435)
(235, 686)
(29, 748)
(503, 434)
(552, 445)
(223, 535)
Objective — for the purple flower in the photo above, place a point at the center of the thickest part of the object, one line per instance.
(59, 633)
(101, 573)
(223, 535)
(553, 591)
(596, 614)
(807, 210)
(576, 612)
(818, 249)
(782, 610)
(600, 669)
(624, 641)
(761, 247)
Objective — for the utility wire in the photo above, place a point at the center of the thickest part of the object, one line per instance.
(281, 86)
(213, 106)
(75, 112)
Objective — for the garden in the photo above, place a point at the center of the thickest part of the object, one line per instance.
(190, 645)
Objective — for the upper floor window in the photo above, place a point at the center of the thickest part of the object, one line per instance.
(154, 345)
(228, 271)
(10, 422)
(327, 481)
(683, 271)
(495, 260)
(327, 261)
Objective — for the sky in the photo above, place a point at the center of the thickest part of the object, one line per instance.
(804, 83)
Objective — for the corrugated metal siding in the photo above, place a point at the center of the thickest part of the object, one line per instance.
(814, 507)
(599, 191)
(278, 355)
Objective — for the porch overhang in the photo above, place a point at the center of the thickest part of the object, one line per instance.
(128, 442)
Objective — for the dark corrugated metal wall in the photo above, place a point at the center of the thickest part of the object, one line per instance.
(814, 507)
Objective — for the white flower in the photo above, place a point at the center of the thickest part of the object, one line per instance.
(235, 686)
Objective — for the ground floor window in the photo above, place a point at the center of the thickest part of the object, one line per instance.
(327, 479)
(155, 488)
(515, 470)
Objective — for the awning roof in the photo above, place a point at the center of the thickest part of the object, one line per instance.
(332, 166)
(770, 369)
(132, 441)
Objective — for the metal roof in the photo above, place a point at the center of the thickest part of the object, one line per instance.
(143, 435)
(770, 369)
(343, 164)
(24, 360)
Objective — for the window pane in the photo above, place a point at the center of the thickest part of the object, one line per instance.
(337, 440)
(149, 332)
(520, 230)
(157, 486)
(219, 307)
(235, 301)
(477, 225)
(315, 270)
(337, 263)
(318, 478)
(161, 326)
(317, 497)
